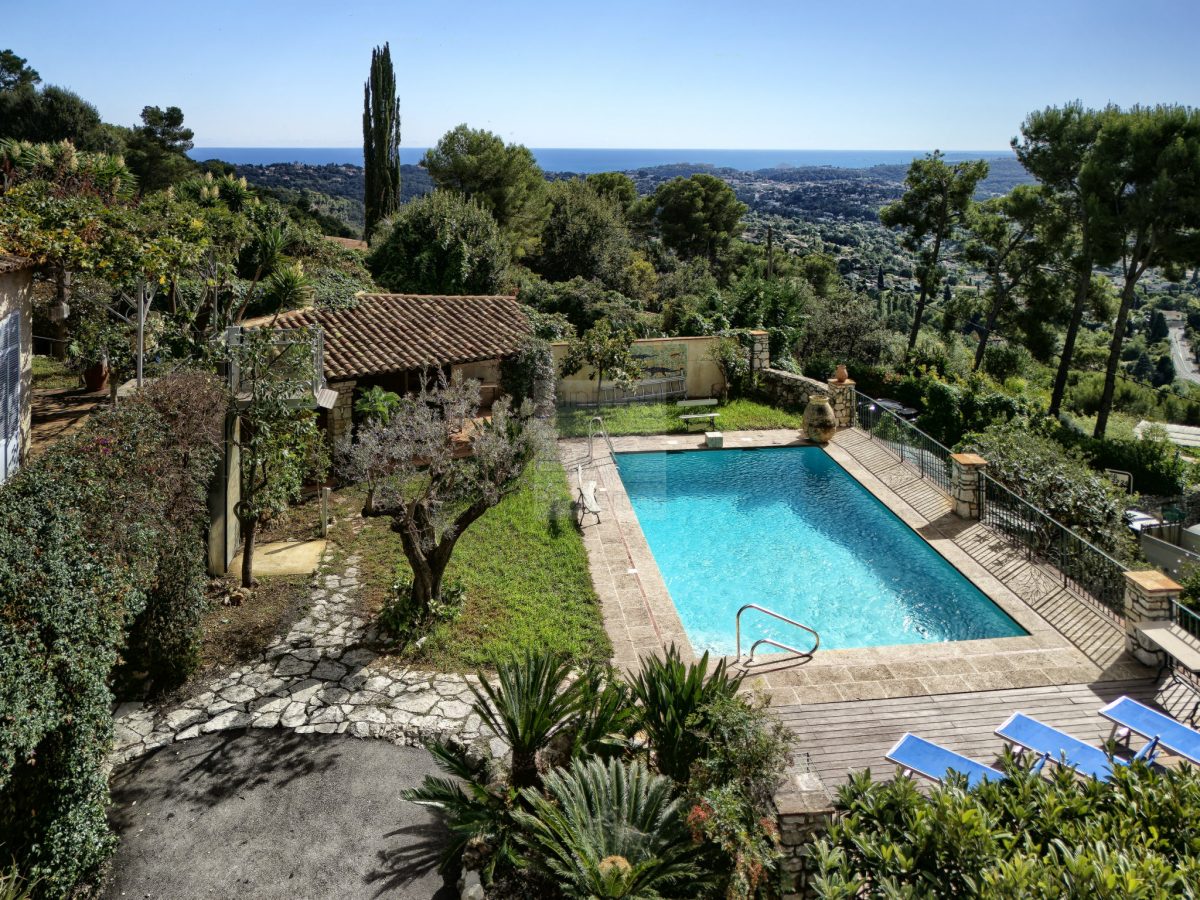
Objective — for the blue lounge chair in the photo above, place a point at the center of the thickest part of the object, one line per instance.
(914, 754)
(1125, 712)
(1027, 733)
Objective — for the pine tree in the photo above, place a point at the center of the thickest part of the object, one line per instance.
(381, 140)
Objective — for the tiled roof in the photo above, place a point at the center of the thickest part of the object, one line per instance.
(13, 263)
(385, 333)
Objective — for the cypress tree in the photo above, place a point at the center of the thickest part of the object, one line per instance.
(381, 140)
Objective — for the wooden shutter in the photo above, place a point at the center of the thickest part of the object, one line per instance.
(10, 395)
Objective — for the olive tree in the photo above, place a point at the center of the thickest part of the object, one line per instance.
(435, 467)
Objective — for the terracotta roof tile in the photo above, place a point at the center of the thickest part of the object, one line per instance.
(385, 333)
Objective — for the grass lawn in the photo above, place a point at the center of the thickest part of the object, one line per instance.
(663, 418)
(53, 374)
(526, 576)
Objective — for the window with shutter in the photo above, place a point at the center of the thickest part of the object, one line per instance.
(10, 395)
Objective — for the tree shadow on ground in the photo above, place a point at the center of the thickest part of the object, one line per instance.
(417, 852)
(218, 768)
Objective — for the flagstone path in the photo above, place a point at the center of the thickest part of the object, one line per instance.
(321, 677)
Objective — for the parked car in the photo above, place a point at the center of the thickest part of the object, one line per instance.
(895, 406)
(1136, 520)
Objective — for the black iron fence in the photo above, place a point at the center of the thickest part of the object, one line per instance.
(908, 443)
(1085, 568)
(1185, 618)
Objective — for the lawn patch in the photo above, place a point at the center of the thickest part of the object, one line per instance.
(525, 571)
(663, 418)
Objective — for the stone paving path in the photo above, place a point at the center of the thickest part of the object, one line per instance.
(319, 678)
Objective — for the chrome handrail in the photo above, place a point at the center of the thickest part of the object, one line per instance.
(773, 643)
(596, 425)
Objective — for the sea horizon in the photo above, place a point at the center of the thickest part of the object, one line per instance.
(607, 159)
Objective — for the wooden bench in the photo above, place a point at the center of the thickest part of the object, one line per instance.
(702, 419)
(1178, 645)
(587, 497)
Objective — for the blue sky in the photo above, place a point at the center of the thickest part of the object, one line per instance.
(554, 73)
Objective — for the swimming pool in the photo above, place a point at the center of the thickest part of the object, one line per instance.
(789, 529)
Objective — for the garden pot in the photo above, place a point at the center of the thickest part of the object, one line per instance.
(819, 421)
(95, 378)
(841, 374)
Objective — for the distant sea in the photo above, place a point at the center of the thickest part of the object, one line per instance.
(570, 159)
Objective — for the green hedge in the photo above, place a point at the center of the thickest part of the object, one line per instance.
(100, 537)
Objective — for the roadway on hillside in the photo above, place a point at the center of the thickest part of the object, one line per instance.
(1181, 355)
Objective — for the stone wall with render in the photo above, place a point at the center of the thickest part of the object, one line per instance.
(803, 808)
(341, 417)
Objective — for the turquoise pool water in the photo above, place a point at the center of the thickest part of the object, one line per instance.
(789, 529)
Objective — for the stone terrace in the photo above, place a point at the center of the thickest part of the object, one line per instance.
(1069, 642)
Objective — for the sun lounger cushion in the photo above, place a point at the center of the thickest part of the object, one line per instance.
(1062, 748)
(1150, 723)
(915, 754)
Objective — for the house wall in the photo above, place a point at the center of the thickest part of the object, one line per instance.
(487, 373)
(693, 355)
(16, 295)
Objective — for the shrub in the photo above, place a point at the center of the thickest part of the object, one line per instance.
(441, 243)
(528, 374)
(1005, 361)
(672, 697)
(590, 817)
(1155, 463)
(1026, 836)
(100, 535)
(1056, 480)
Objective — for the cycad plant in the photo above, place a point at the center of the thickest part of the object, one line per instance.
(476, 809)
(670, 695)
(532, 702)
(610, 830)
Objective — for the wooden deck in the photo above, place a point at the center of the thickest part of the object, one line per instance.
(837, 738)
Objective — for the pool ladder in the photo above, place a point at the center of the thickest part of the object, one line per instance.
(771, 641)
(596, 427)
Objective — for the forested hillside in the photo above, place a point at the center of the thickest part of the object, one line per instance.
(334, 189)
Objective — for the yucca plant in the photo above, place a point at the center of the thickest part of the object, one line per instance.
(534, 701)
(670, 694)
(610, 830)
(477, 810)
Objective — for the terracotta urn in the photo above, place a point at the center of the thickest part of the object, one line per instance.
(820, 423)
(95, 377)
(841, 374)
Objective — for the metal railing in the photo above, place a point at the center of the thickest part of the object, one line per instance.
(648, 390)
(908, 443)
(771, 641)
(596, 427)
(1084, 567)
(1185, 618)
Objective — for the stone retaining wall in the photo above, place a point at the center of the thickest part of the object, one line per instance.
(788, 390)
(804, 808)
(791, 391)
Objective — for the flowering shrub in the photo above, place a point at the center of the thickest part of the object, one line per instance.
(100, 540)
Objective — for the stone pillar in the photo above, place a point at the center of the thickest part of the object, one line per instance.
(804, 809)
(760, 352)
(841, 398)
(1148, 596)
(965, 487)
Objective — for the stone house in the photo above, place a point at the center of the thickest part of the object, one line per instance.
(16, 361)
(395, 340)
